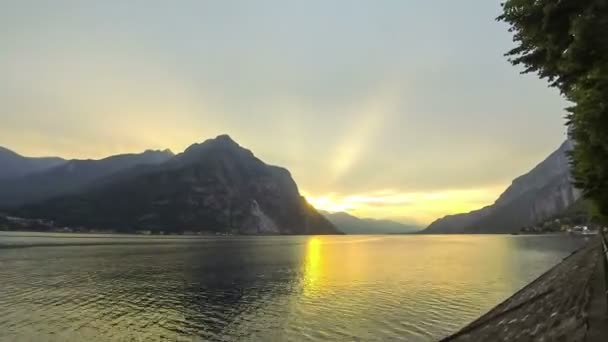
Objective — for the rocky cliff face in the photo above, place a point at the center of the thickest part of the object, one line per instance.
(214, 186)
(543, 192)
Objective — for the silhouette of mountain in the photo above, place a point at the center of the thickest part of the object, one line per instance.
(542, 193)
(71, 176)
(13, 165)
(214, 186)
(350, 224)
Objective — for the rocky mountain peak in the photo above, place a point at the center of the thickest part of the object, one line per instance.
(221, 141)
(222, 147)
(166, 152)
(213, 186)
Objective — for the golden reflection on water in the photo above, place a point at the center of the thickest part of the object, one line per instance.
(413, 288)
(313, 265)
(429, 267)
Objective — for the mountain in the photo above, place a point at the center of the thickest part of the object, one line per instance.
(214, 186)
(353, 225)
(540, 194)
(71, 176)
(13, 165)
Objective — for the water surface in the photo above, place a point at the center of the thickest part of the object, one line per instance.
(70, 287)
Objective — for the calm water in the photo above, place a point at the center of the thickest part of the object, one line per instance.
(413, 288)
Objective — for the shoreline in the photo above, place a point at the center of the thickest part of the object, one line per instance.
(554, 306)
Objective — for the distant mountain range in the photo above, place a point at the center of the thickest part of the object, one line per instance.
(218, 186)
(214, 186)
(71, 176)
(14, 165)
(542, 193)
(353, 225)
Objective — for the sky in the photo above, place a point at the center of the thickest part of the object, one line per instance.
(399, 109)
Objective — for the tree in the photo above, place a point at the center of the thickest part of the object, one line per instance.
(566, 43)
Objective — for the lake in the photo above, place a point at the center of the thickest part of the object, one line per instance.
(80, 287)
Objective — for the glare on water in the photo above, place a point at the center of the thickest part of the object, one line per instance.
(59, 287)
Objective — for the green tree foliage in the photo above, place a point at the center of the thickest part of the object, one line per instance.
(566, 43)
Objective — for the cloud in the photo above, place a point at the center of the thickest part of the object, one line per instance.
(353, 100)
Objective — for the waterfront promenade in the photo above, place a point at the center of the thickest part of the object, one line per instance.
(567, 303)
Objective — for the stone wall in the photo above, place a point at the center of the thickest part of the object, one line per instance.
(554, 307)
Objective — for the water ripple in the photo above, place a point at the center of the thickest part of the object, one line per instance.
(251, 289)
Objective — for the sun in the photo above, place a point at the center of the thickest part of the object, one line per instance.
(327, 203)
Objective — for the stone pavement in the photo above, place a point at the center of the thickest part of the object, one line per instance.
(566, 303)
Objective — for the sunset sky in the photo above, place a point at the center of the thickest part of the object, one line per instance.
(401, 109)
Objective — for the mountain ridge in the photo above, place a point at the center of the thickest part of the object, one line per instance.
(351, 224)
(216, 186)
(16, 165)
(539, 194)
(72, 175)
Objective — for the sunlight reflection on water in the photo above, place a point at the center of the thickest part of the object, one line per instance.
(413, 288)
